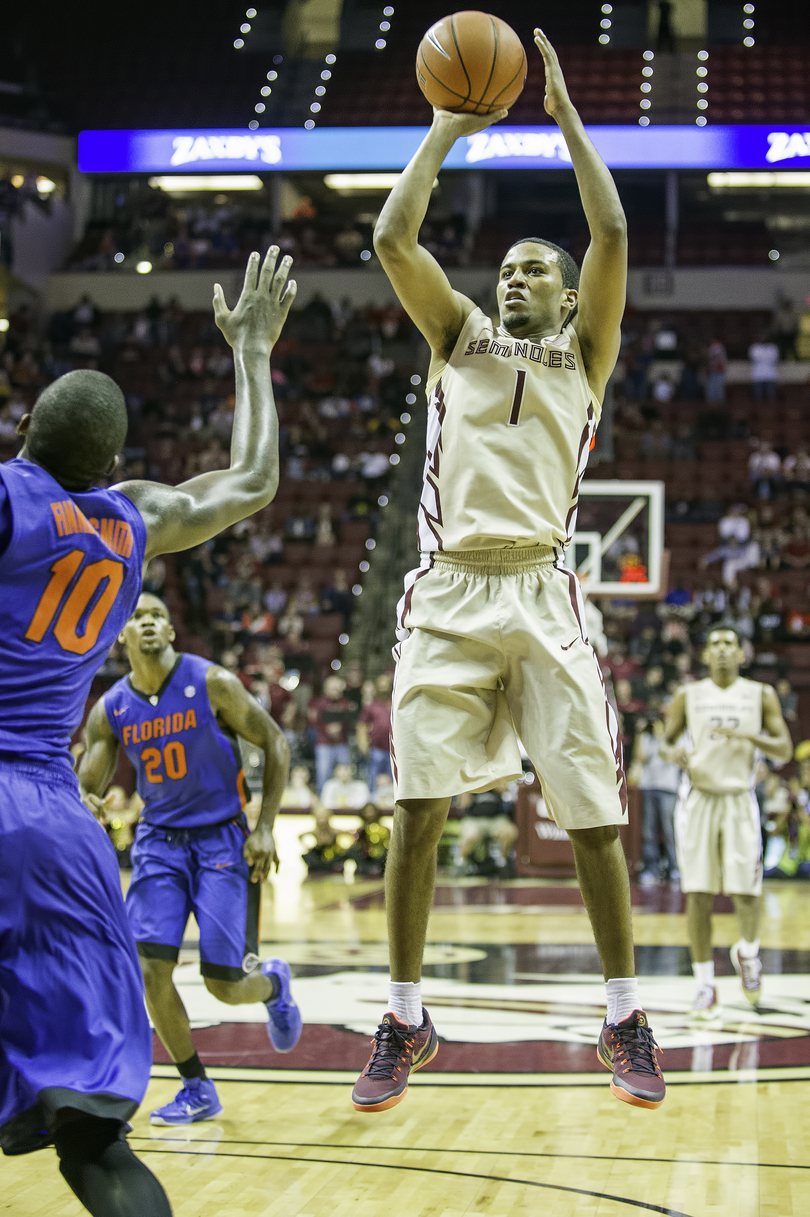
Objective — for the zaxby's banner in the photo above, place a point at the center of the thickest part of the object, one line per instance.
(501, 147)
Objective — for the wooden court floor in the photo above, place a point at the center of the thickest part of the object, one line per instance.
(487, 1133)
(299, 1150)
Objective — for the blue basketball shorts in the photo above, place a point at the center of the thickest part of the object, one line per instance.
(178, 871)
(73, 1025)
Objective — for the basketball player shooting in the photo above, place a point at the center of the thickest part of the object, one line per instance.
(75, 1043)
(492, 627)
(730, 722)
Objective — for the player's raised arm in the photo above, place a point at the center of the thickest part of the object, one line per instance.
(98, 760)
(243, 714)
(179, 517)
(603, 279)
(423, 288)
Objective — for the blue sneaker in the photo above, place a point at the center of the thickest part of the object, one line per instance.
(283, 1016)
(198, 1100)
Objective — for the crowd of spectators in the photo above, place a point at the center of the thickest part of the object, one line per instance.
(662, 361)
(768, 537)
(148, 225)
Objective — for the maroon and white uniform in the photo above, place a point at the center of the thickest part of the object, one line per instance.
(493, 643)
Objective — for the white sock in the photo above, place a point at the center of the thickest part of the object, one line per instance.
(748, 949)
(405, 1000)
(704, 973)
(622, 998)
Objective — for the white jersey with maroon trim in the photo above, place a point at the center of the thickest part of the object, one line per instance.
(718, 765)
(510, 425)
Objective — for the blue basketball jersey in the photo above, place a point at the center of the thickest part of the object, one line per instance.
(189, 768)
(70, 577)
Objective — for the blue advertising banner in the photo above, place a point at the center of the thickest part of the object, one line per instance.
(501, 147)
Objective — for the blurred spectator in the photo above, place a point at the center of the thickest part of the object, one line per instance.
(324, 532)
(383, 796)
(374, 731)
(785, 328)
(344, 792)
(764, 470)
(487, 820)
(739, 552)
(322, 854)
(330, 715)
(628, 706)
(764, 359)
(348, 244)
(796, 548)
(370, 846)
(8, 425)
(658, 781)
(717, 363)
(277, 698)
(337, 597)
(787, 700)
(298, 794)
(787, 851)
(796, 468)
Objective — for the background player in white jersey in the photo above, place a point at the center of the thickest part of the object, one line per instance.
(729, 720)
(492, 628)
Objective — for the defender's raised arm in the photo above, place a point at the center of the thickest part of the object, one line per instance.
(603, 279)
(179, 517)
(423, 288)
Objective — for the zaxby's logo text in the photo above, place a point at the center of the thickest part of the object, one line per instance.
(532, 145)
(785, 145)
(190, 148)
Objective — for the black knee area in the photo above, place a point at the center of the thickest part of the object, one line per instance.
(85, 1140)
(98, 1165)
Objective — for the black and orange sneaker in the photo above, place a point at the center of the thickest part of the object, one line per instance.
(628, 1048)
(398, 1050)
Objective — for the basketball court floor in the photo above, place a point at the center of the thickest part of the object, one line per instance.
(514, 1115)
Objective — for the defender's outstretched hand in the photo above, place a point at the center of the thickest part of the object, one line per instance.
(262, 309)
(556, 92)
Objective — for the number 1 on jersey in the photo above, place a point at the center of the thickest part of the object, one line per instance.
(520, 383)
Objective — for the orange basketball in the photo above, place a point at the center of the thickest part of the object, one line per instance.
(472, 63)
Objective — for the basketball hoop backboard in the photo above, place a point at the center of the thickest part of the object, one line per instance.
(618, 545)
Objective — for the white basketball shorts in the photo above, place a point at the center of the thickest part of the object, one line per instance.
(493, 647)
(719, 842)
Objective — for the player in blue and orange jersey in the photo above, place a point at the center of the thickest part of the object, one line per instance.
(178, 718)
(75, 1046)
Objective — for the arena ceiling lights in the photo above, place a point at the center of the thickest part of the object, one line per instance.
(759, 181)
(364, 183)
(183, 183)
(375, 149)
(355, 183)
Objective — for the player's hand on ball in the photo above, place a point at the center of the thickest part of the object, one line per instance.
(260, 854)
(556, 97)
(458, 125)
(262, 308)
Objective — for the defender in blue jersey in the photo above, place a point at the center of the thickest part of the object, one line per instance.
(178, 718)
(75, 1047)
